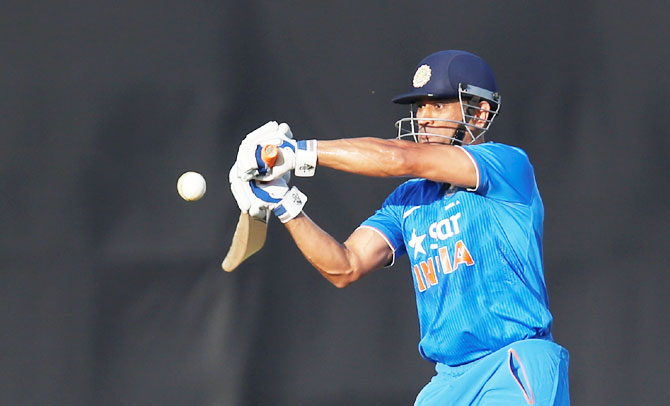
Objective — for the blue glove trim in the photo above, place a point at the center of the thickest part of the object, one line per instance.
(262, 168)
(302, 144)
(279, 210)
(287, 144)
(262, 194)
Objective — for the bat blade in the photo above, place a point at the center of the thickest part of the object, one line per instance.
(248, 239)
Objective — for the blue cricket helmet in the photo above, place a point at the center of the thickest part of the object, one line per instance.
(457, 75)
(439, 75)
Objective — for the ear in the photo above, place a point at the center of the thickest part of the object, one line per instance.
(483, 113)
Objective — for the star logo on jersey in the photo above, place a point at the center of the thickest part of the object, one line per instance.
(416, 243)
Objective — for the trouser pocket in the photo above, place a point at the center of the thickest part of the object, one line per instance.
(518, 372)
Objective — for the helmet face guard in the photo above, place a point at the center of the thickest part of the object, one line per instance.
(469, 97)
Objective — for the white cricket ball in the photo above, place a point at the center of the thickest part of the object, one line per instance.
(191, 186)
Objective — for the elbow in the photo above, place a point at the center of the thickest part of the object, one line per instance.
(344, 272)
(341, 284)
(406, 159)
(398, 162)
(344, 279)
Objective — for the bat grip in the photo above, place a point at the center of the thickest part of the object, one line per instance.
(269, 154)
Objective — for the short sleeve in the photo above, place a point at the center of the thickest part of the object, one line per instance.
(503, 172)
(387, 221)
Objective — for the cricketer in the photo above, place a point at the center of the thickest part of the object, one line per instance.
(470, 220)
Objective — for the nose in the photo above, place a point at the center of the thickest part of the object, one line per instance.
(423, 116)
(424, 119)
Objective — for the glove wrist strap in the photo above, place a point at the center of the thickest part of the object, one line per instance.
(291, 205)
(305, 158)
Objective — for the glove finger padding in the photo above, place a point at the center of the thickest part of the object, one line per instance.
(266, 129)
(257, 198)
(238, 188)
(264, 196)
(259, 212)
(285, 129)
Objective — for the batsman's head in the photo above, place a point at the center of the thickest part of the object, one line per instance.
(446, 78)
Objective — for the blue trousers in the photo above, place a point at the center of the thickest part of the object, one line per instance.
(527, 372)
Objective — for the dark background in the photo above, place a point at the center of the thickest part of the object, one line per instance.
(111, 290)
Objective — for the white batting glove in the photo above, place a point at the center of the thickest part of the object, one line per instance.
(259, 198)
(300, 156)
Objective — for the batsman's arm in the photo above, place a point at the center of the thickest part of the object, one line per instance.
(389, 158)
(340, 263)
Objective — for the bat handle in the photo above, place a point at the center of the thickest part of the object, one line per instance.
(269, 154)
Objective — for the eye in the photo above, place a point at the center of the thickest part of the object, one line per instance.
(438, 105)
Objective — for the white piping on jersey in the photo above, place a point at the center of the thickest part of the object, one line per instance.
(476, 168)
(408, 212)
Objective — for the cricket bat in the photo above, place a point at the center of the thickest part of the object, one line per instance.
(250, 232)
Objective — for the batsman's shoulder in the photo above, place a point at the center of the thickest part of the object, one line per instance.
(410, 186)
(495, 151)
(414, 190)
(494, 147)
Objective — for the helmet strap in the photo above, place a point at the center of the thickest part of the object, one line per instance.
(458, 135)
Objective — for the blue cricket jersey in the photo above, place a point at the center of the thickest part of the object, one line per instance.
(476, 256)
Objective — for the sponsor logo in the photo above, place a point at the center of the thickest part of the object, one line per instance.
(416, 243)
(445, 262)
(445, 228)
(444, 258)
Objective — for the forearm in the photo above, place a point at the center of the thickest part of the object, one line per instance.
(331, 258)
(398, 158)
(365, 156)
